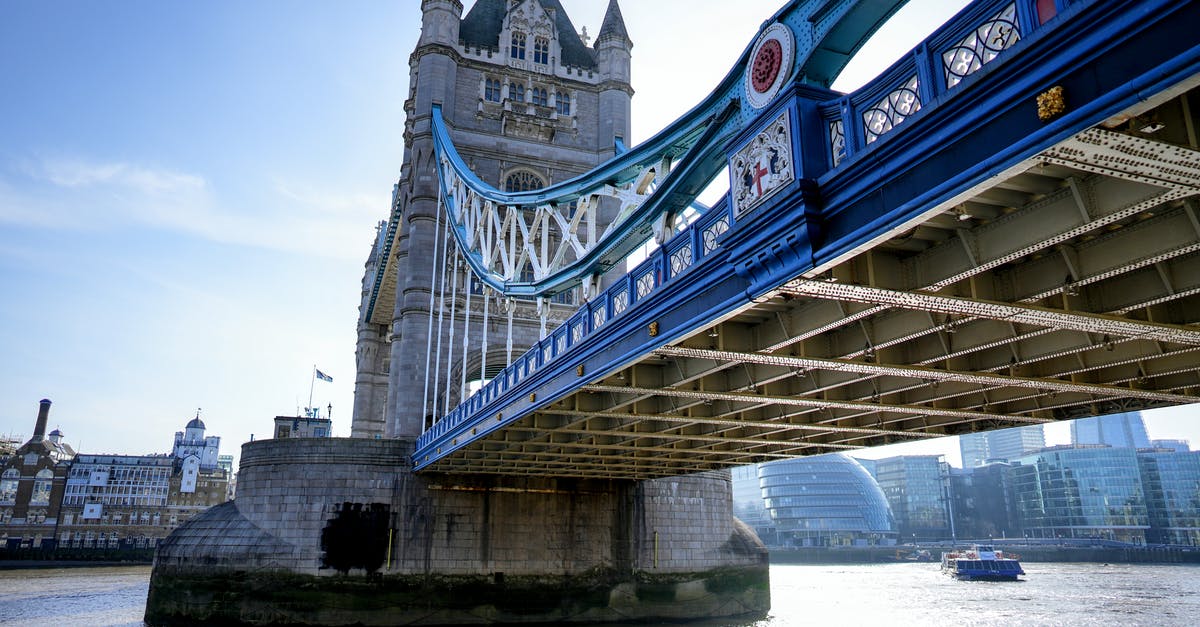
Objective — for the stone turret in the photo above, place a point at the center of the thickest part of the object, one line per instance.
(439, 22)
(613, 55)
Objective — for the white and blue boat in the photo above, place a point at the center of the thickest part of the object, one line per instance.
(982, 563)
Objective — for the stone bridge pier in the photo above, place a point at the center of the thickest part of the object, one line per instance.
(341, 532)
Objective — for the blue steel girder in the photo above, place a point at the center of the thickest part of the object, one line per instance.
(1108, 58)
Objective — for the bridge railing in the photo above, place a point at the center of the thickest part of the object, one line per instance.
(662, 265)
(947, 60)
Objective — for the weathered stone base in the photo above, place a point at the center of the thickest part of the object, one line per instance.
(341, 532)
(280, 598)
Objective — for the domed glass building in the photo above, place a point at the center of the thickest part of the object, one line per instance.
(827, 500)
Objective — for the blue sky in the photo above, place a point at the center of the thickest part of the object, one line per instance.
(188, 191)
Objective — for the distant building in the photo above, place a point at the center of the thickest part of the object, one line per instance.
(1007, 444)
(1179, 446)
(916, 487)
(983, 505)
(302, 427)
(134, 501)
(32, 481)
(748, 504)
(1117, 430)
(191, 442)
(1171, 482)
(225, 463)
(973, 448)
(1086, 491)
(978, 449)
(826, 500)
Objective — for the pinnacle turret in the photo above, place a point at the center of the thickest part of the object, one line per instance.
(614, 25)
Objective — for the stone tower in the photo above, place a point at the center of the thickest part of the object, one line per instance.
(529, 104)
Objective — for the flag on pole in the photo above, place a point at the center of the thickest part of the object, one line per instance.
(324, 377)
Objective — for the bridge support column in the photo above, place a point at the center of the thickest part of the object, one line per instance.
(340, 532)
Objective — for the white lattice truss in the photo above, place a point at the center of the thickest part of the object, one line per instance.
(531, 243)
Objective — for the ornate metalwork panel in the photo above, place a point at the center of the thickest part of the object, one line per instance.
(620, 302)
(837, 141)
(892, 109)
(984, 44)
(681, 260)
(762, 167)
(598, 317)
(645, 284)
(713, 232)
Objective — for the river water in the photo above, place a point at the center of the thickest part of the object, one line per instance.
(890, 594)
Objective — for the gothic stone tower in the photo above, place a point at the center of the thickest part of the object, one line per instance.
(529, 104)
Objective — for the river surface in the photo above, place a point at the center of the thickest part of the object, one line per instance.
(887, 594)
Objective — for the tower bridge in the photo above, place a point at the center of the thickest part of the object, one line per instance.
(1001, 229)
(985, 236)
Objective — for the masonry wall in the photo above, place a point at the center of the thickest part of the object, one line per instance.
(598, 543)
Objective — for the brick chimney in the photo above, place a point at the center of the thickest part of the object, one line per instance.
(39, 430)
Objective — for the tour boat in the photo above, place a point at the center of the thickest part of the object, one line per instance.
(981, 562)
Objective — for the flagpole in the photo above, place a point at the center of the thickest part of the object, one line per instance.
(311, 383)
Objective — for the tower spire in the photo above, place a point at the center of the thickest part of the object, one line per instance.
(614, 25)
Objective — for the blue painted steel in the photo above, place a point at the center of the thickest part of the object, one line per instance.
(1107, 54)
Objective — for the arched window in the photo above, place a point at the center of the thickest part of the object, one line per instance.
(516, 92)
(523, 181)
(42, 483)
(491, 90)
(8, 485)
(541, 50)
(562, 100)
(539, 96)
(518, 46)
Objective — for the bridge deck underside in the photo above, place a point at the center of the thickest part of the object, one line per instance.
(1067, 286)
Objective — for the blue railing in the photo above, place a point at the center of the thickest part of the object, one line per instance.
(951, 57)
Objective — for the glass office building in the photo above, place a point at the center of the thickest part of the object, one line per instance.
(827, 500)
(1171, 480)
(1081, 492)
(917, 489)
(1126, 430)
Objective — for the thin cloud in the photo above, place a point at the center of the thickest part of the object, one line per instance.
(78, 173)
(87, 194)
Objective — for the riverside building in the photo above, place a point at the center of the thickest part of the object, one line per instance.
(32, 481)
(826, 500)
(134, 501)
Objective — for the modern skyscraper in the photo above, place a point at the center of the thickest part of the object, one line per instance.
(1007, 444)
(1125, 430)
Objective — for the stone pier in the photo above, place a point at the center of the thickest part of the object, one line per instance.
(340, 532)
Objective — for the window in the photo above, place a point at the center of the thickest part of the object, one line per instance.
(41, 487)
(518, 46)
(539, 96)
(523, 181)
(8, 485)
(516, 92)
(541, 50)
(562, 100)
(491, 90)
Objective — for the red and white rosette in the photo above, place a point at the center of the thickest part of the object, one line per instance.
(770, 64)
